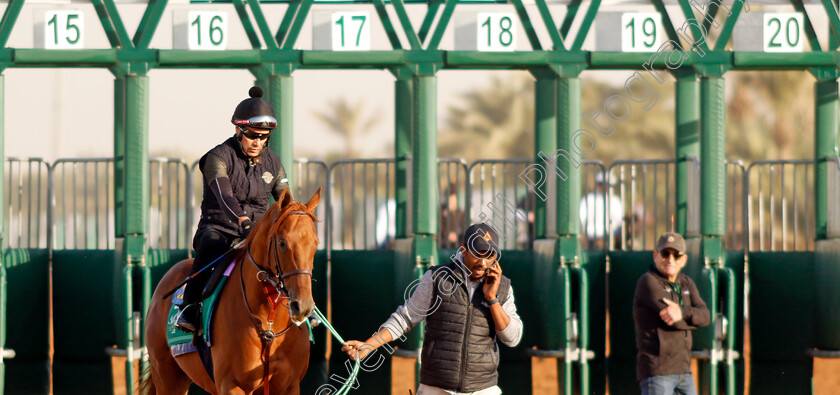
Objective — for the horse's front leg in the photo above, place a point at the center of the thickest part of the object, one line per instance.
(230, 387)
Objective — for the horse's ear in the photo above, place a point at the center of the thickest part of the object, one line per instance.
(312, 203)
(285, 197)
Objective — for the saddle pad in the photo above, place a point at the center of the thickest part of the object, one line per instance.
(180, 342)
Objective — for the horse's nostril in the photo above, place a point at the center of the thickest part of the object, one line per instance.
(295, 307)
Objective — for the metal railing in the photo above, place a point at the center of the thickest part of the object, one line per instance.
(453, 176)
(499, 198)
(83, 214)
(736, 197)
(833, 225)
(594, 204)
(644, 188)
(779, 204)
(308, 176)
(362, 204)
(170, 196)
(28, 202)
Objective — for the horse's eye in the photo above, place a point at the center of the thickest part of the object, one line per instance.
(282, 243)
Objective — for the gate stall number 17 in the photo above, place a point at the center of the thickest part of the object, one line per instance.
(62, 29)
(350, 31)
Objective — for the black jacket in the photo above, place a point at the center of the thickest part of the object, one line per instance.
(252, 186)
(665, 349)
(459, 350)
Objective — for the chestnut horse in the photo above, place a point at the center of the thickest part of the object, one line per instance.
(278, 254)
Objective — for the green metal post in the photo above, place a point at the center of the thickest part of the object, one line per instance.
(136, 198)
(825, 145)
(282, 139)
(713, 189)
(3, 279)
(545, 141)
(567, 162)
(688, 143)
(425, 176)
(119, 156)
(403, 95)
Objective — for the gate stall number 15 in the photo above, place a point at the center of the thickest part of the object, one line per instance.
(62, 29)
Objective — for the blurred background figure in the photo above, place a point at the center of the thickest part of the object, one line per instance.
(452, 218)
(593, 207)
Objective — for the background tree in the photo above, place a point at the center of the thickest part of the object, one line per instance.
(349, 121)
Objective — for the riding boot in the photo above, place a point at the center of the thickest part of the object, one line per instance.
(188, 319)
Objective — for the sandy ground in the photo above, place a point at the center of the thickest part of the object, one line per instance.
(544, 375)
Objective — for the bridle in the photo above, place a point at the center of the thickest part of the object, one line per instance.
(272, 284)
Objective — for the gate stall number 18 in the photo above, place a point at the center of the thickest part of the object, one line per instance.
(496, 31)
(64, 29)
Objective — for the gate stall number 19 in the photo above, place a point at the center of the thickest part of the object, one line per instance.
(64, 29)
(640, 32)
(350, 31)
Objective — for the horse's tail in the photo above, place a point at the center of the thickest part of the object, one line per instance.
(147, 385)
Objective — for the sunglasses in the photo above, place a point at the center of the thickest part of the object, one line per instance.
(251, 135)
(667, 254)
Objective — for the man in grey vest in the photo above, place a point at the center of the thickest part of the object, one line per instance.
(240, 176)
(467, 305)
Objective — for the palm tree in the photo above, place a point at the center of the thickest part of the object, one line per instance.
(349, 121)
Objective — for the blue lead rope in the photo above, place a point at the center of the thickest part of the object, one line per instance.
(352, 379)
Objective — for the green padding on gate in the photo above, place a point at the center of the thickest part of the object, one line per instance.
(782, 321)
(827, 266)
(74, 378)
(160, 261)
(362, 295)
(596, 269)
(83, 310)
(27, 325)
(625, 269)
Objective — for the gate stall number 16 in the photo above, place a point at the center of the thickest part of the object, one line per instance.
(62, 29)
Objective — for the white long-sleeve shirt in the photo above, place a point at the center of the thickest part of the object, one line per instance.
(406, 317)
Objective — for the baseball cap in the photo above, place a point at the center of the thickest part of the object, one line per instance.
(671, 240)
(481, 237)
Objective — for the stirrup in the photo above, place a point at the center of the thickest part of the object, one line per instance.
(183, 322)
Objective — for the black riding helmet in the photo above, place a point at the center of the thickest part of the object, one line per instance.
(254, 112)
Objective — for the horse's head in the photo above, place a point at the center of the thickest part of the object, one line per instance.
(284, 243)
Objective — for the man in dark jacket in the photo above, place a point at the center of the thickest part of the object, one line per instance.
(666, 308)
(467, 304)
(240, 176)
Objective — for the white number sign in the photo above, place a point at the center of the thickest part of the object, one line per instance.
(350, 31)
(641, 32)
(61, 29)
(496, 31)
(201, 30)
(783, 32)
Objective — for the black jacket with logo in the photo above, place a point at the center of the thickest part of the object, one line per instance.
(459, 349)
(665, 349)
(252, 186)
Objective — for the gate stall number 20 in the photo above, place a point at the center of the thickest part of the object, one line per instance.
(62, 29)
(783, 32)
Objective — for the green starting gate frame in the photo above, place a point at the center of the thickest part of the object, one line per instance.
(273, 59)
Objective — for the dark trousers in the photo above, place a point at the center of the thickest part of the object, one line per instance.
(209, 244)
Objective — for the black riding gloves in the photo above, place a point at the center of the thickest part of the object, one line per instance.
(245, 228)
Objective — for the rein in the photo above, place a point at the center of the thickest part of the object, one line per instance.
(272, 284)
